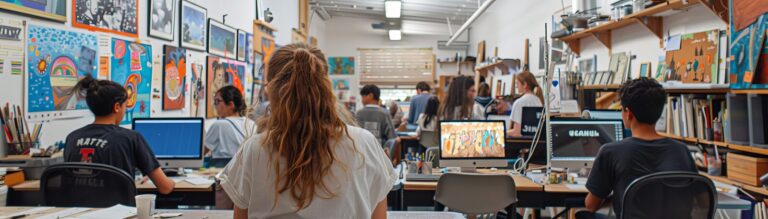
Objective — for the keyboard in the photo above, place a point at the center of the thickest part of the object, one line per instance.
(422, 177)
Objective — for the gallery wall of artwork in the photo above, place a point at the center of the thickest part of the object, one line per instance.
(70, 41)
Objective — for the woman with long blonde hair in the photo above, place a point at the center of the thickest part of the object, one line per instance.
(305, 162)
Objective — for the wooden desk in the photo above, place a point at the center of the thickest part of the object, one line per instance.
(183, 186)
(5, 211)
(522, 183)
(563, 188)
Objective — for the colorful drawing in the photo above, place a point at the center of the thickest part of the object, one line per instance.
(162, 18)
(197, 89)
(12, 46)
(268, 48)
(697, 59)
(241, 45)
(174, 77)
(112, 16)
(472, 139)
(131, 66)
(57, 60)
(744, 48)
(49, 9)
(341, 65)
(340, 84)
(222, 39)
(223, 72)
(249, 57)
(193, 26)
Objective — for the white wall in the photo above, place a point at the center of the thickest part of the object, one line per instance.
(240, 15)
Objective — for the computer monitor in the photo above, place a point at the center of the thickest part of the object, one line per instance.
(176, 142)
(472, 143)
(530, 120)
(575, 142)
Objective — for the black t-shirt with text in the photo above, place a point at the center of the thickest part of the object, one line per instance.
(618, 164)
(110, 145)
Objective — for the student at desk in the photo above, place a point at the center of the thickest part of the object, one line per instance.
(224, 136)
(459, 102)
(427, 122)
(104, 142)
(532, 97)
(619, 163)
(308, 163)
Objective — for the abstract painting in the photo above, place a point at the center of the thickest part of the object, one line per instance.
(12, 46)
(341, 65)
(268, 48)
(744, 47)
(340, 84)
(223, 72)
(174, 77)
(241, 45)
(112, 16)
(57, 59)
(49, 9)
(222, 39)
(193, 26)
(162, 18)
(131, 67)
(696, 60)
(197, 89)
(249, 58)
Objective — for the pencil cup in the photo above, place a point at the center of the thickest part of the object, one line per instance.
(427, 168)
(21, 148)
(145, 206)
(413, 167)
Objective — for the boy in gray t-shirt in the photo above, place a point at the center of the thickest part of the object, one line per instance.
(373, 117)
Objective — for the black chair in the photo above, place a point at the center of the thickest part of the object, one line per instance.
(673, 194)
(86, 185)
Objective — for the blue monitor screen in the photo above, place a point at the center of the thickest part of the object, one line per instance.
(172, 139)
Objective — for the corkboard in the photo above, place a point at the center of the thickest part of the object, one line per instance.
(696, 60)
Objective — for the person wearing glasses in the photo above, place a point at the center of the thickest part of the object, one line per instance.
(223, 138)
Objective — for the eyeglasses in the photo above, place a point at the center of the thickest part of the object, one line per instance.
(216, 101)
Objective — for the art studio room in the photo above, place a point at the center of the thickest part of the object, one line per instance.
(406, 109)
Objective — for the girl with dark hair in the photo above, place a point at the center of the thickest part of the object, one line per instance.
(428, 120)
(459, 101)
(305, 162)
(483, 101)
(225, 135)
(104, 142)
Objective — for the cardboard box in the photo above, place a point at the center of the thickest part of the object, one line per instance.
(746, 169)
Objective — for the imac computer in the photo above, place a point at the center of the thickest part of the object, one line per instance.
(472, 143)
(575, 142)
(176, 142)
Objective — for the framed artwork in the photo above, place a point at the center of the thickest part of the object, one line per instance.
(340, 84)
(111, 16)
(268, 48)
(587, 79)
(193, 30)
(241, 45)
(697, 58)
(661, 69)
(607, 76)
(222, 72)
(249, 57)
(162, 18)
(645, 69)
(197, 89)
(341, 65)
(222, 39)
(174, 77)
(131, 67)
(56, 60)
(255, 92)
(587, 65)
(55, 10)
(598, 78)
(622, 67)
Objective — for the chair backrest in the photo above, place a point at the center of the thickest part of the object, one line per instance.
(428, 139)
(86, 185)
(673, 194)
(476, 193)
(530, 120)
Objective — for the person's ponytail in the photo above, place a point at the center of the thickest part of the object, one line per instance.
(85, 86)
(100, 95)
(539, 93)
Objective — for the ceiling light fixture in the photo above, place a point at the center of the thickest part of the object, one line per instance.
(395, 34)
(392, 8)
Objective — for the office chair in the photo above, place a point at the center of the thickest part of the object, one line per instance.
(673, 194)
(75, 184)
(476, 194)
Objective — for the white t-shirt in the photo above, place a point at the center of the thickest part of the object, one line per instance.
(223, 138)
(527, 100)
(423, 126)
(360, 180)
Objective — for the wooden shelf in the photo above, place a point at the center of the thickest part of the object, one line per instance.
(488, 66)
(749, 91)
(601, 87)
(645, 18)
(723, 179)
(698, 91)
(736, 147)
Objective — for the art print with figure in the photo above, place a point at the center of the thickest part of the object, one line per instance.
(131, 67)
(223, 72)
(111, 16)
(174, 78)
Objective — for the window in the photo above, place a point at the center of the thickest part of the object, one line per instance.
(396, 66)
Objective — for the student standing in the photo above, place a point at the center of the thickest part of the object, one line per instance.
(459, 101)
(532, 97)
(427, 121)
(418, 102)
(373, 117)
(231, 128)
(104, 142)
(307, 163)
(619, 163)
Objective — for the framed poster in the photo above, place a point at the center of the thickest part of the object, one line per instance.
(162, 19)
(645, 69)
(112, 16)
(193, 30)
(341, 65)
(249, 56)
(222, 72)
(131, 67)
(55, 10)
(222, 39)
(174, 77)
(241, 45)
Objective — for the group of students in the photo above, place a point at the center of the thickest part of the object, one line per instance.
(308, 157)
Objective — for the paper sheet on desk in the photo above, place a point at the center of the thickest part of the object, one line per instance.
(576, 186)
(28, 212)
(62, 214)
(117, 211)
(199, 181)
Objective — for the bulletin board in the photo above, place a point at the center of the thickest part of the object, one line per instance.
(696, 59)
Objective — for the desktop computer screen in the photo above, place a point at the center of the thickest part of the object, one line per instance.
(472, 143)
(580, 140)
(176, 142)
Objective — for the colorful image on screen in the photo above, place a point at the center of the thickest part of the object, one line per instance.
(472, 139)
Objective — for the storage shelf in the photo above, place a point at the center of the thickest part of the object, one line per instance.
(488, 66)
(755, 91)
(601, 87)
(742, 148)
(723, 179)
(698, 91)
